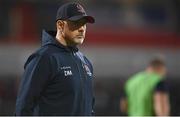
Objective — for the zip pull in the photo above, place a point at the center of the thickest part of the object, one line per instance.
(74, 53)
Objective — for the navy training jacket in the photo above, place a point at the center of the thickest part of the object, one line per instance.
(57, 81)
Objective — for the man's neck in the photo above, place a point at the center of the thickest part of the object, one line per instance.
(60, 39)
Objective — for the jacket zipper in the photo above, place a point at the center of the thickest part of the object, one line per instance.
(82, 81)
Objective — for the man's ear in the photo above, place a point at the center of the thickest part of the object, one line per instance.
(60, 25)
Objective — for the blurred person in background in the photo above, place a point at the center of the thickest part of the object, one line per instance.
(146, 92)
(58, 78)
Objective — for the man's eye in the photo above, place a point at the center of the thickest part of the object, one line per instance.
(74, 24)
(77, 23)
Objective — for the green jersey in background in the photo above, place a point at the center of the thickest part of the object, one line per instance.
(139, 91)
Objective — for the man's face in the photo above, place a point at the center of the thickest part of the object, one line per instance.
(74, 32)
(161, 70)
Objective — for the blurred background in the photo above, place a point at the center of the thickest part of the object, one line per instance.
(126, 35)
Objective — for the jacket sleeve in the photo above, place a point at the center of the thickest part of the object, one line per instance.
(35, 76)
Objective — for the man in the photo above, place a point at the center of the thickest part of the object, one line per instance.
(58, 78)
(146, 93)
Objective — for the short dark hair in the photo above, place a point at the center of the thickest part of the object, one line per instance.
(157, 62)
